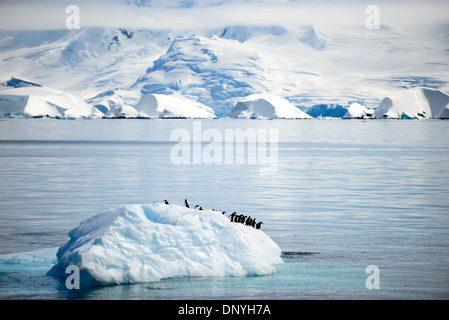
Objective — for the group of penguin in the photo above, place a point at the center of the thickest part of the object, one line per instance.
(238, 218)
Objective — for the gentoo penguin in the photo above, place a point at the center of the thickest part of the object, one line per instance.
(259, 225)
(224, 212)
(232, 216)
(186, 203)
(197, 206)
(254, 223)
(165, 201)
(201, 208)
(242, 218)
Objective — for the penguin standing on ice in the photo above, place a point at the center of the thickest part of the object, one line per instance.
(259, 225)
(166, 202)
(232, 216)
(186, 203)
(238, 218)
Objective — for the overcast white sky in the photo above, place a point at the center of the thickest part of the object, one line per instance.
(48, 14)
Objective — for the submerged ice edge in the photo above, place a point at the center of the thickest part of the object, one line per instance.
(39, 260)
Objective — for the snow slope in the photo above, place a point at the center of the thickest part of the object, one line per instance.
(264, 106)
(87, 62)
(141, 243)
(414, 103)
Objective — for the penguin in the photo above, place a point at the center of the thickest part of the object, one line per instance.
(201, 208)
(248, 221)
(254, 223)
(197, 206)
(259, 225)
(224, 212)
(232, 216)
(166, 202)
(186, 203)
(242, 218)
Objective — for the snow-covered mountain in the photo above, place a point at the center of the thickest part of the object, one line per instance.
(322, 68)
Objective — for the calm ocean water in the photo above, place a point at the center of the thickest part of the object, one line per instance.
(346, 195)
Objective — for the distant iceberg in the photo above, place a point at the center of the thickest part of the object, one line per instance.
(142, 243)
(116, 103)
(416, 103)
(122, 111)
(22, 98)
(167, 106)
(357, 111)
(266, 106)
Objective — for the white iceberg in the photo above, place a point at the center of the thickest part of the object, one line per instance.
(167, 106)
(40, 101)
(122, 111)
(266, 106)
(142, 243)
(116, 103)
(357, 111)
(416, 103)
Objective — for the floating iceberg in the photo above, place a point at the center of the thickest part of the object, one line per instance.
(357, 111)
(25, 99)
(141, 243)
(266, 106)
(166, 106)
(416, 103)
